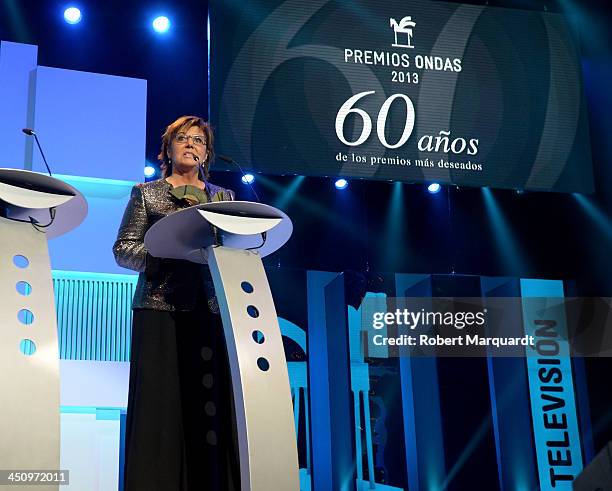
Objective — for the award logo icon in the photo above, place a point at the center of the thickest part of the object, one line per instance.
(403, 32)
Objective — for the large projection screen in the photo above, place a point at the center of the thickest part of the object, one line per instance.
(408, 91)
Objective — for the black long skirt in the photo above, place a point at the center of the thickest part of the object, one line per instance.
(180, 430)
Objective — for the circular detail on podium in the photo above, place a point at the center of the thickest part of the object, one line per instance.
(206, 353)
(210, 408)
(253, 311)
(23, 288)
(25, 316)
(263, 364)
(258, 337)
(27, 347)
(246, 287)
(207, 380)
(21, 261)
(211, 437)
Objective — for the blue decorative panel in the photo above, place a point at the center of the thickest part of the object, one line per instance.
(94, 315)
(553, 405)
(510, 405)
(329, 381)
(89, 246)
(425, 460)
(17, 63)
(90, 124)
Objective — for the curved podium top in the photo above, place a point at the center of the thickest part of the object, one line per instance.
(25, 194)
(185, 234)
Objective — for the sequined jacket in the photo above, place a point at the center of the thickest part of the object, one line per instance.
(163, 284)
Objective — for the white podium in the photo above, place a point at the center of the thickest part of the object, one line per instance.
(264, 411)
(33, 208)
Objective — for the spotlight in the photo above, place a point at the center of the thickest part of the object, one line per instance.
(161, 24)
(248, 178)
(72, 15)
(341, 184)
(149, 171)
(434, 188)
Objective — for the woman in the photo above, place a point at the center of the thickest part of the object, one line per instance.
(180, 433)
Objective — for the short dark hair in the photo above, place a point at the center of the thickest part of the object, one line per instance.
(182, 124)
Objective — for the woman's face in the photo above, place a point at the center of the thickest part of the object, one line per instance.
(187, 146)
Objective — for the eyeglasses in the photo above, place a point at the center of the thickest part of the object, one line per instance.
(196, 139)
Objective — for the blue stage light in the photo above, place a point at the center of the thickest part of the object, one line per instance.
(248, 178)
(149, 171)
(434, 188)
(72, 15)
(341, 184)
(161, 24)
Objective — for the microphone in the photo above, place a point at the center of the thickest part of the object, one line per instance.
(30, 132)
(200, 170)
(203, 178)
(215, 230)
(230, 160)
(264, 235)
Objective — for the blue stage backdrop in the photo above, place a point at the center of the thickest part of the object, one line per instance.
(92, 127)
(425, 91)
(367, 422)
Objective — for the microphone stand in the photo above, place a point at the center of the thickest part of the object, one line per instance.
(230, 160)
(215, 230)
(35, 224)
(30, 132)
